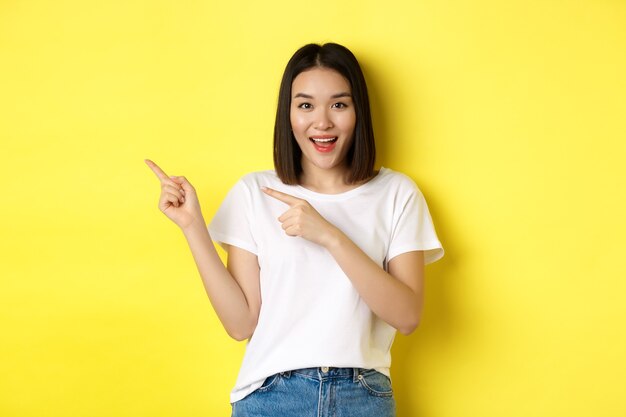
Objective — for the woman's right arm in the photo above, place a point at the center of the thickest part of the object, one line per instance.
(234, 291)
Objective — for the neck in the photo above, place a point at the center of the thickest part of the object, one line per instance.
(326, 181)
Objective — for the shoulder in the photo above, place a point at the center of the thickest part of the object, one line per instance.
(246, 191)
(397, 182)
(254, 180)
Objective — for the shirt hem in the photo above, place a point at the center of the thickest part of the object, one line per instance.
(222, 239)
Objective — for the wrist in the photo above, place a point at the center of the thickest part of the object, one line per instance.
(334, 239)
(194, 227)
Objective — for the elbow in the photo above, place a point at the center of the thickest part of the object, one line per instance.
(240, 337)
(411, 319)
(408, 329)
(409, 325)
(241, 332)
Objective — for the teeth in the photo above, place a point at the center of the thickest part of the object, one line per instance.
(323, 140)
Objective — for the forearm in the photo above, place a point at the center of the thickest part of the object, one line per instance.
(388, 297)
(395, 297)
(225, 294)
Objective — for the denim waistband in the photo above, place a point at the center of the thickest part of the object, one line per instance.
(326, 372)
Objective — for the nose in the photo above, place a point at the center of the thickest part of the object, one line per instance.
(323, 120)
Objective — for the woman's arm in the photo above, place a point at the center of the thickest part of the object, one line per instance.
(234, 291)
(395, 296)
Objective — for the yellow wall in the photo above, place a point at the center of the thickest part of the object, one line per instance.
(508, 114)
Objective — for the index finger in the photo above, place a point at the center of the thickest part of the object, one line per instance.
(285, 198)
(157, 171)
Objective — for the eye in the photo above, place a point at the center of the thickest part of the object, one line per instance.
(339, 105)
(305, 106)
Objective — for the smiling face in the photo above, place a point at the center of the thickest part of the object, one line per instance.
(322, 118)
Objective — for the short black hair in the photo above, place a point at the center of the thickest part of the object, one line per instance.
(362, 153)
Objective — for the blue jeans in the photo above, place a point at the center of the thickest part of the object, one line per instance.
(320, 392)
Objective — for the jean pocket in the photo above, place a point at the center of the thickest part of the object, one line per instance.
(375, 383)
(269, 383)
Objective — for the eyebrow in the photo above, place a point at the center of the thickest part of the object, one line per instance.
(338, 95)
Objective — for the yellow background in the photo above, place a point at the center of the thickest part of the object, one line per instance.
(508, 114)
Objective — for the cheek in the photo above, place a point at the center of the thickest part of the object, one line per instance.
(348, 122)
(298, 123)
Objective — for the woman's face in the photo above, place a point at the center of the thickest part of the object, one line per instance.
(322, 117)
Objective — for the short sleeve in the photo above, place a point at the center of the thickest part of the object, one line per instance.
(413, 229)
(232, 224)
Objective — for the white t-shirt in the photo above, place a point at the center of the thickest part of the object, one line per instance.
(311, 315)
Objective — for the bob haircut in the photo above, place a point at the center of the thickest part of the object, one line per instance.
(287, 154)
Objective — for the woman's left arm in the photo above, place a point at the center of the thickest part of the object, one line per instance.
(395, 296)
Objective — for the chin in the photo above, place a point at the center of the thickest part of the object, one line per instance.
(325, 164)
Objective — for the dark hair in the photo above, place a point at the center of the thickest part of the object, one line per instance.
(287, 154)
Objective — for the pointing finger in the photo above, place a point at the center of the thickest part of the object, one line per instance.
(157, 171)
(285, 198)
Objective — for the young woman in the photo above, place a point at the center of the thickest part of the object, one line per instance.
(325, 255)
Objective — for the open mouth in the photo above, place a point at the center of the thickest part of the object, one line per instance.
(324, 143)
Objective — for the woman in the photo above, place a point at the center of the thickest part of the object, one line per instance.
(325, 255)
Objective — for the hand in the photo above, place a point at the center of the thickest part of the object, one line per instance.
(302, 220)
(178, 198)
